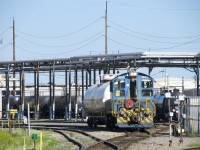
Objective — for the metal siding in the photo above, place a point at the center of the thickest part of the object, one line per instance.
(0, 104)
(193, 112)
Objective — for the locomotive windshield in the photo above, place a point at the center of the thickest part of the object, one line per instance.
(119, 86)
(147, 85)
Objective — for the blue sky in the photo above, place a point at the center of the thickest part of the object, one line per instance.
(48, 29)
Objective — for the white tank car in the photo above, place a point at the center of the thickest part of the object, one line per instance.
(95, 98)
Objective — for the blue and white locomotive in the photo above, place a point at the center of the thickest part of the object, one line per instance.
(124, 101)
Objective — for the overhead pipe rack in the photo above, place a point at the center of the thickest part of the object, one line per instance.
(89, 65)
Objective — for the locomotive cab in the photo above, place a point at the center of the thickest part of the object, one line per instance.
(132, 100)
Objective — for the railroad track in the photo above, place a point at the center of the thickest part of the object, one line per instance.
(120, 142)
(75, 142)
(82, 136)
(81, 139)
(125, 141)
(84, 140)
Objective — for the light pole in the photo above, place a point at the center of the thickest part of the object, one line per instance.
(168, 96)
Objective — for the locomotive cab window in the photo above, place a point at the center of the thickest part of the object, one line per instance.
(147, 92)
(119, 86)
(119, 93)
(147, 85)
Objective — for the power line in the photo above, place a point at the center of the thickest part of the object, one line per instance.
(156, 48)
(154, 36)
(178, 45)
(144, 38)
(3, 47)
(61, 12)
(2, 33)
(64, 35)
(81, 46)
(61, 52)
(6, 45)
(32, 52)
(156, 8)
(57, 46)
(126, 45)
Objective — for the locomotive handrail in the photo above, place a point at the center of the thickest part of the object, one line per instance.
(149, 100)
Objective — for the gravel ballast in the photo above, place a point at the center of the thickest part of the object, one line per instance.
(162, 143)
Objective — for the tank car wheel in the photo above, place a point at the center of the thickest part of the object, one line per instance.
(90, 122)
(108, 121)
(95, 122)
(95, 125)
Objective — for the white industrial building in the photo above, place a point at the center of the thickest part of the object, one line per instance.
(188, 85)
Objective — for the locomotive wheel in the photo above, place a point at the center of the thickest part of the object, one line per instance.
(94, 122)
(112, 123)
(141, 129)
(108, 121)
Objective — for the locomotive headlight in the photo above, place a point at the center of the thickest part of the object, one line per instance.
(133, 74)
(122, 113)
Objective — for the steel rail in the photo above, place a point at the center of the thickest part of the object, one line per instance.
(81, 147)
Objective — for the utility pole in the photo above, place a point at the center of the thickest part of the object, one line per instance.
(106, 38)
(14, 58)
(197, 73)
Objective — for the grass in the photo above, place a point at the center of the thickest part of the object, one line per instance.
(194, 144)
(15, 140)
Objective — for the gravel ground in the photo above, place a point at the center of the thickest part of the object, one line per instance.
(162, 143)
(106, 135)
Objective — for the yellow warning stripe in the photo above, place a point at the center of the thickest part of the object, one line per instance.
(148, 100)
(147, 120)
(139, 112)
(122, 120)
